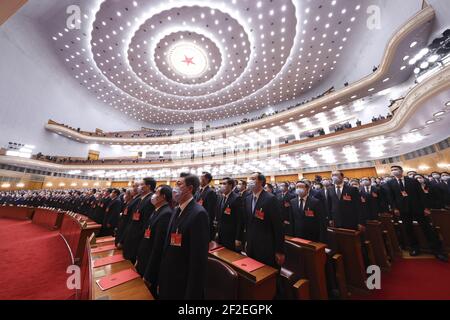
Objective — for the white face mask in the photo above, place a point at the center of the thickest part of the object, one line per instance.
(222, 189)
(366, 183)
(326, 183)
(411, 175)
(251, 184)
(176, 194)
(300, 192)
(153, 199)
(336, 180)
(396, 173)
(239, 187)
(436, 176)
(445, 178)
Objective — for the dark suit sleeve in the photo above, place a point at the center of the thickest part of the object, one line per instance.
(358, 207)
(114, 213)
(277, 225)
(389, 188)
(198, 256)
(151, 272)
(239, 212)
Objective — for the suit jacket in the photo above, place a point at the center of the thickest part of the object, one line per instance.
(135, 230)
(230, 220)
(264, 235)
(112, 213)
(182, 273)
(308, 222)
(125, 219)
(369, 202)
(285, 202)
(151, 245)
(412, 204)
(346, 210)
(208, 199)
(438, 194)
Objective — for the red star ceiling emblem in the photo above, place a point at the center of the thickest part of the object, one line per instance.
(188, 61)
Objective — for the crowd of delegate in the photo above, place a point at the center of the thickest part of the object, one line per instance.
(166, 231)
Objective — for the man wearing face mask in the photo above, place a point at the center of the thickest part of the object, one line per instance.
(411, 174)
(446, 180)
(140, 215)
(182, 272)
(112, 214)
(369, 199)
(263, 225)
(150, 249)
(230, 217)
(407, 201)
(344, 204)
(307, 215)
(207, 198)
(241, 189)
(285, 197)
(125, 217)
(438, 191)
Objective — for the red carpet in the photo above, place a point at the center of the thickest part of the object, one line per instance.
(415, 279)
(33, 262)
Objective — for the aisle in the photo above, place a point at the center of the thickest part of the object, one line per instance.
(33, 262)
(416, 279)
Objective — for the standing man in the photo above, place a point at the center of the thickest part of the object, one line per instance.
(307, 214)
(207, 197)
(135, 230)
(344, 204)
(112, 213)
(230, 216)
(285, 197)
(182, 273)
(264, 228)
(406, 200)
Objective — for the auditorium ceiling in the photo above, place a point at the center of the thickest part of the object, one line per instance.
(173, 62)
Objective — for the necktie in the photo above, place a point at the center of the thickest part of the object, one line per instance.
(338, 192)
(367, 190)
(254, 203)
(301, 205)
(402, 186)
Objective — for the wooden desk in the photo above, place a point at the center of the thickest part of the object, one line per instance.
(313, 258)
(441, 218)
(16, 212)
(387, 224)
(374, 234)
(348, 243)
(257, 285)
(131, 290)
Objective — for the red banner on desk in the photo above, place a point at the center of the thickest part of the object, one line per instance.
(116, 279)
(108, 260)
(248, 264)
(103, 248)
(105, 239)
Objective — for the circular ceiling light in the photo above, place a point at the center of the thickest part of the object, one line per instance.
(188, 59)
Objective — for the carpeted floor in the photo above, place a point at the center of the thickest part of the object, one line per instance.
(414, 279)
(33, 262)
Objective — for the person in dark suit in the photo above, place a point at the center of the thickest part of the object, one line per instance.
(183, 267)
(207, 197)
(143, 210)
(112, 213)
(263, 225)
(241, 189)
(407, 201)
(369, 199)
(132, 198)
(230, 217)
(150, 249)
(438, 190)
(285, 197)
(344, 204)
(307, 214)
(445, 176)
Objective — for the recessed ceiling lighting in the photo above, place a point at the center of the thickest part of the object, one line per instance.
(439, 113)
(430, 122)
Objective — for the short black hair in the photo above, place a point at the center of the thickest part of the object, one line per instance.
(116, 191)
(397, 167)
(109, 190)
(261, 177)
(184, 174)
(207, 175)
(166, 191)
(243, 182)
(229, 181)
(151, 182)
(269, 185)
(306, 182)
(192, 180)
(410, 171)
